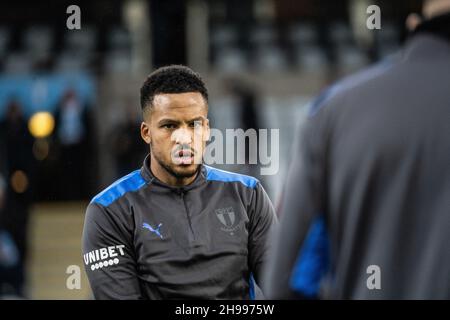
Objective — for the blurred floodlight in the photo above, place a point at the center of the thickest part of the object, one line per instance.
(41, 124)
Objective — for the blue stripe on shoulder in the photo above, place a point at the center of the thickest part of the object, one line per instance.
(130, 182)
(213, 174)
(252, 287)
(313, 261)
(346, 84)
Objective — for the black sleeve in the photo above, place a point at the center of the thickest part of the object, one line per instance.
(109, 256)
(302, 203)
(262, 221)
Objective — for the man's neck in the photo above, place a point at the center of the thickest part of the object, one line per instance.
(439, 26)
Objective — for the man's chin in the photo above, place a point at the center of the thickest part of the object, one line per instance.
(185, 170)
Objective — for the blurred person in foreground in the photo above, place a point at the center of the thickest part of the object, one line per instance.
(176, 228)
(366, 212)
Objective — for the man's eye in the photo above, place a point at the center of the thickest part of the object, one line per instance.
(168, 126)
(196, 124)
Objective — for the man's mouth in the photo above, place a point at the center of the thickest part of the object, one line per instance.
(183, 157)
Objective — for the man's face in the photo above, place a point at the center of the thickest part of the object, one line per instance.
(177, 128)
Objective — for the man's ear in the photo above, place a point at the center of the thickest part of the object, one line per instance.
(145, 132)
(207, 135)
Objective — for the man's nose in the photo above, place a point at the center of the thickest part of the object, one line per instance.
(182, 136)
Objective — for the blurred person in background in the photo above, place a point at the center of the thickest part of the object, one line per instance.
(16, 145)
(4, 259)
(365, 213)
(9, 256)
(177, 228)
(74, 139)
(249, 110)
(127, 149)
(2, 191)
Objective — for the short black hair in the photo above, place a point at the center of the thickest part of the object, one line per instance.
(171, 79)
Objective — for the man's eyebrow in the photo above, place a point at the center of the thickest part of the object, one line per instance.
(167, 120)
(201, 118)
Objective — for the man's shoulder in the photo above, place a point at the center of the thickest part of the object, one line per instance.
(129, 183)
(214, 174)
(349, 84)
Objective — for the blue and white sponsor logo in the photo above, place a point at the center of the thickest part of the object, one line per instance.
(104, 257)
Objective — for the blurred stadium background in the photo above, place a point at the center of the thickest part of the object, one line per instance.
(69, 99)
